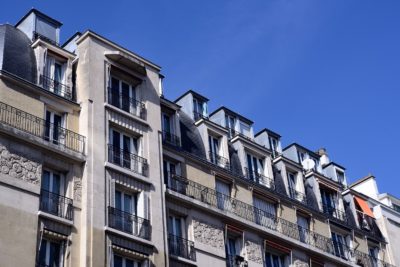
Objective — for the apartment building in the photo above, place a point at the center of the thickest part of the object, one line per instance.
(237, 198)
(80, 142)
(386, 211)
(98, 168)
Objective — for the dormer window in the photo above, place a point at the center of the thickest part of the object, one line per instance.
(340, 176)
(274, 144)
(230, 124)
(54, 78)
(199, 109)
(245, 129)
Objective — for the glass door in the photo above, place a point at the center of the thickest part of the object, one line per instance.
(126, 205)
(53, 130)
(223, 192)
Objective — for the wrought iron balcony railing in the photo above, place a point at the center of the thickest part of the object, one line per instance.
(334, 213)
(298, 196)
(219, 160)
(181, 247)
(126, 103)
(171, 139)
(367, 260)
(127, 160)
(55, 87)
(129, 223)
(197, 116)
(232, 133)
(236, 261)
(248, 212)
(259, 179)
(56, 204)
(43, 129)
(37, 35)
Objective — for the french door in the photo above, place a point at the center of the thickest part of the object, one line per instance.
(126, 204)
(265, 213)
(124, 148)
(223, 195)
(53, 127)
(123, 95)
(52, 189)
(214, 149)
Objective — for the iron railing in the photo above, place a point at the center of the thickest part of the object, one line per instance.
(171, 139)
(297, 196)
(127, 160)
(197, 116)
(367, 260)
(43, 129)
(334, 213)
(37, 35)
(235, 261)
(129, 223)
(181, 247)
(219, 160)
(55, 87)
(248, 212)
(232, 133)
(260, 179)
(56, 204)
(126, 103)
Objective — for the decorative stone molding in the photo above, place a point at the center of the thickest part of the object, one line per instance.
(77, 189)
(19, 167)
(208, 234)
(300, 263)
(254, 251)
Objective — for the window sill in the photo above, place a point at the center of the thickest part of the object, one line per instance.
(131, 237)
(55, 218)
(181, 259)
(127, 172)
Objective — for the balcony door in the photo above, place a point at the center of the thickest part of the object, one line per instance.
(52, 189)
(54, 131)
(264, 213)
(123, 147)
(54, 76)
(274, 260)
(50, 253)
(303, 225)
(123, 95)
(169, 172)
(328, 202)
(223, 192)
(255, 168)
(230, 124)
(339, 244)
(126, 205)
(120, 261)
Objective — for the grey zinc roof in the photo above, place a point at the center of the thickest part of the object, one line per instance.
(16, 54)
(190, 136)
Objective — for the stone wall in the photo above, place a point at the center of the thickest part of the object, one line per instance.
(19, 167)
(254, 251)
(208, 234)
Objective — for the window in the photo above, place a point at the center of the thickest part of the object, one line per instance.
(233, 247)
(122, 148)
(52, 192)
(214, 149)
(340, 176)
(223, 195)
(54, 125)
(373, 252)
(292, 181)
(51, 253)
(123, 96)
(302, 157)
(328, 202)
(126, 211)
(396, 207)
(265, 213)
(303, 225)
(245, 129)
(175, 226)
(255, 168)
(230, 124)
(339, 244)
(54, 76)
(120, 261)
(273, 143)
(274, 260)
(169, 171)
(199, 109)
(167, 124)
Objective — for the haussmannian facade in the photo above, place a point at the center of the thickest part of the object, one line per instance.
(98, 168)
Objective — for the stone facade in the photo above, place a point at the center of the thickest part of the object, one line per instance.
(208, 234)
(300, 263)
(254, 251)
(19, 167)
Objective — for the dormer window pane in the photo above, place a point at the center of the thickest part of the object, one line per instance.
(244, 129)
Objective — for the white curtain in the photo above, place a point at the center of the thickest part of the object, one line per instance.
(223, 200)
(49, 71)
(265, 213)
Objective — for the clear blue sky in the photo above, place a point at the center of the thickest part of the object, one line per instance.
(320, 73)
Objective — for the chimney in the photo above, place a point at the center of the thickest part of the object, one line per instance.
(324, 156)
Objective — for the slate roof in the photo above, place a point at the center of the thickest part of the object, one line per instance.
(16, 54)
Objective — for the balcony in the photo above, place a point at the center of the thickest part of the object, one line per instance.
(334, 213)
(37, 36)
(127, 104)
(43, 129)
(297, 196)
(366, 260)
(55, 204)
(197, 116)
(181, 247)
(368, 226)
(129, 223)
(248, 212)
(219, 160)
(171, 139)
(235, 261)
(260, 179)
(127, 160)
(55, 87)
(233, 133)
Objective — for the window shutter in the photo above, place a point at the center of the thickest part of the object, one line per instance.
(62, 252)
(143, 205)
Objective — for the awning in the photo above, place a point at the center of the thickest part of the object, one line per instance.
(364, 206)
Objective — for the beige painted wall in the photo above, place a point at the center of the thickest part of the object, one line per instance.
(288, 213)
(197, 174)
(13, 96)
(321, 227)
(243, 194)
